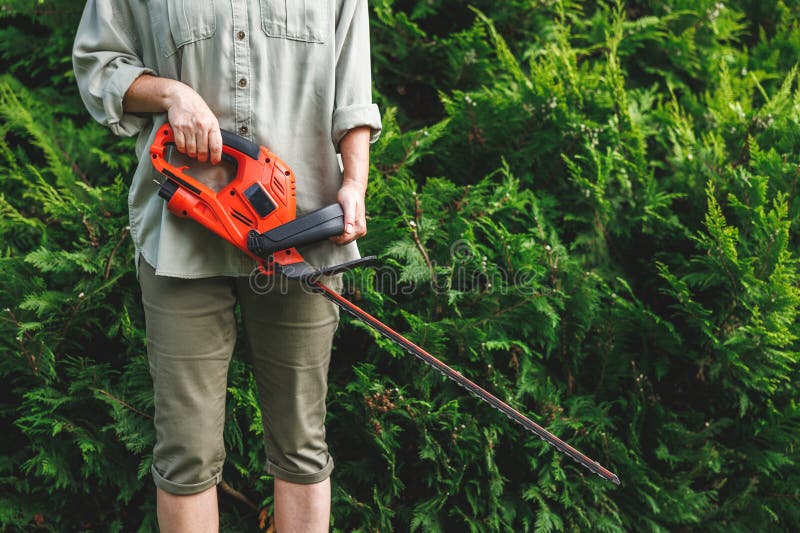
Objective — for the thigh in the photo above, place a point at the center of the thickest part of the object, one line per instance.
(191, 331)
(290, 332)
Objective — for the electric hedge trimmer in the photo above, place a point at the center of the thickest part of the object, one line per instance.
(256, 213)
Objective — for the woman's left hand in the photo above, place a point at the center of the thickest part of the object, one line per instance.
(351, 198)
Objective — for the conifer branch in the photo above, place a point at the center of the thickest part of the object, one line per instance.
(29, 357)
(123, 403)
(92, 237)
(505, 310)
(68, 324)
(392, 169)
(413, 225)
(123, 234)
(230, 491)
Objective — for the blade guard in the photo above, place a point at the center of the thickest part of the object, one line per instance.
(250, 211)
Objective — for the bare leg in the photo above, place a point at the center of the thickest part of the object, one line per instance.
(196, 513)
(302, 508)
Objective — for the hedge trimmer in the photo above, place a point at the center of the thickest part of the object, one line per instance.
(256, 213)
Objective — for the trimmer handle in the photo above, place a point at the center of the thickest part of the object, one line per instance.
(306, 229)
(240, 144)
(233, 146)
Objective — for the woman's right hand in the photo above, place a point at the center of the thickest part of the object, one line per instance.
(195, 127)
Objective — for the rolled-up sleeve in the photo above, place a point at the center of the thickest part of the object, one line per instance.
(353, 103)
(106, 61)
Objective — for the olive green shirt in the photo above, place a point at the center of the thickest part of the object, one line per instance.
(292, 75)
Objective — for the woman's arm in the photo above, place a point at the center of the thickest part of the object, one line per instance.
(355, 159)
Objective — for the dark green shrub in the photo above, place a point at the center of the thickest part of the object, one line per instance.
(588, 207)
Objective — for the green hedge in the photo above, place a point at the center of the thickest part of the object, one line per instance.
(589, 208)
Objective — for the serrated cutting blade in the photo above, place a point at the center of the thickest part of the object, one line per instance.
(464, 382)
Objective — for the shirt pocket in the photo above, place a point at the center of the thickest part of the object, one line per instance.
(298, 20)
(188, 22)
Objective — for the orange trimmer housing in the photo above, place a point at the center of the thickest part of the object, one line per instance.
(260, 197)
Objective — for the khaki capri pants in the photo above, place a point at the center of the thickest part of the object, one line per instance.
(191, 332)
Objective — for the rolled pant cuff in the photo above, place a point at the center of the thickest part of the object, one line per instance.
(183, 489)
(302, 479)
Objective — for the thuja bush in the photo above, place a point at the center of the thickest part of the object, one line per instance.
(589, 208)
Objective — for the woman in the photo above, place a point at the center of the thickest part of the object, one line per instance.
(293, 76)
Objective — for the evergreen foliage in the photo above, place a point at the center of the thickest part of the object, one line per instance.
(589, 208)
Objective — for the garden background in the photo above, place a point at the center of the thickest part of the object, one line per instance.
(590, 209)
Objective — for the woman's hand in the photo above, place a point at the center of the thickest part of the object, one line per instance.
(195, 127)
(351, 198)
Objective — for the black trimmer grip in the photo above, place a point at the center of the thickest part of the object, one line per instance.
(240, 144)
(310, 228)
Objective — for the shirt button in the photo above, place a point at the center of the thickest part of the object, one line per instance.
(240, 35)
(243, 129)
(243, 82)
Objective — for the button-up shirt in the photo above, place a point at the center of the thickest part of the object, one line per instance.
(290, 75)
